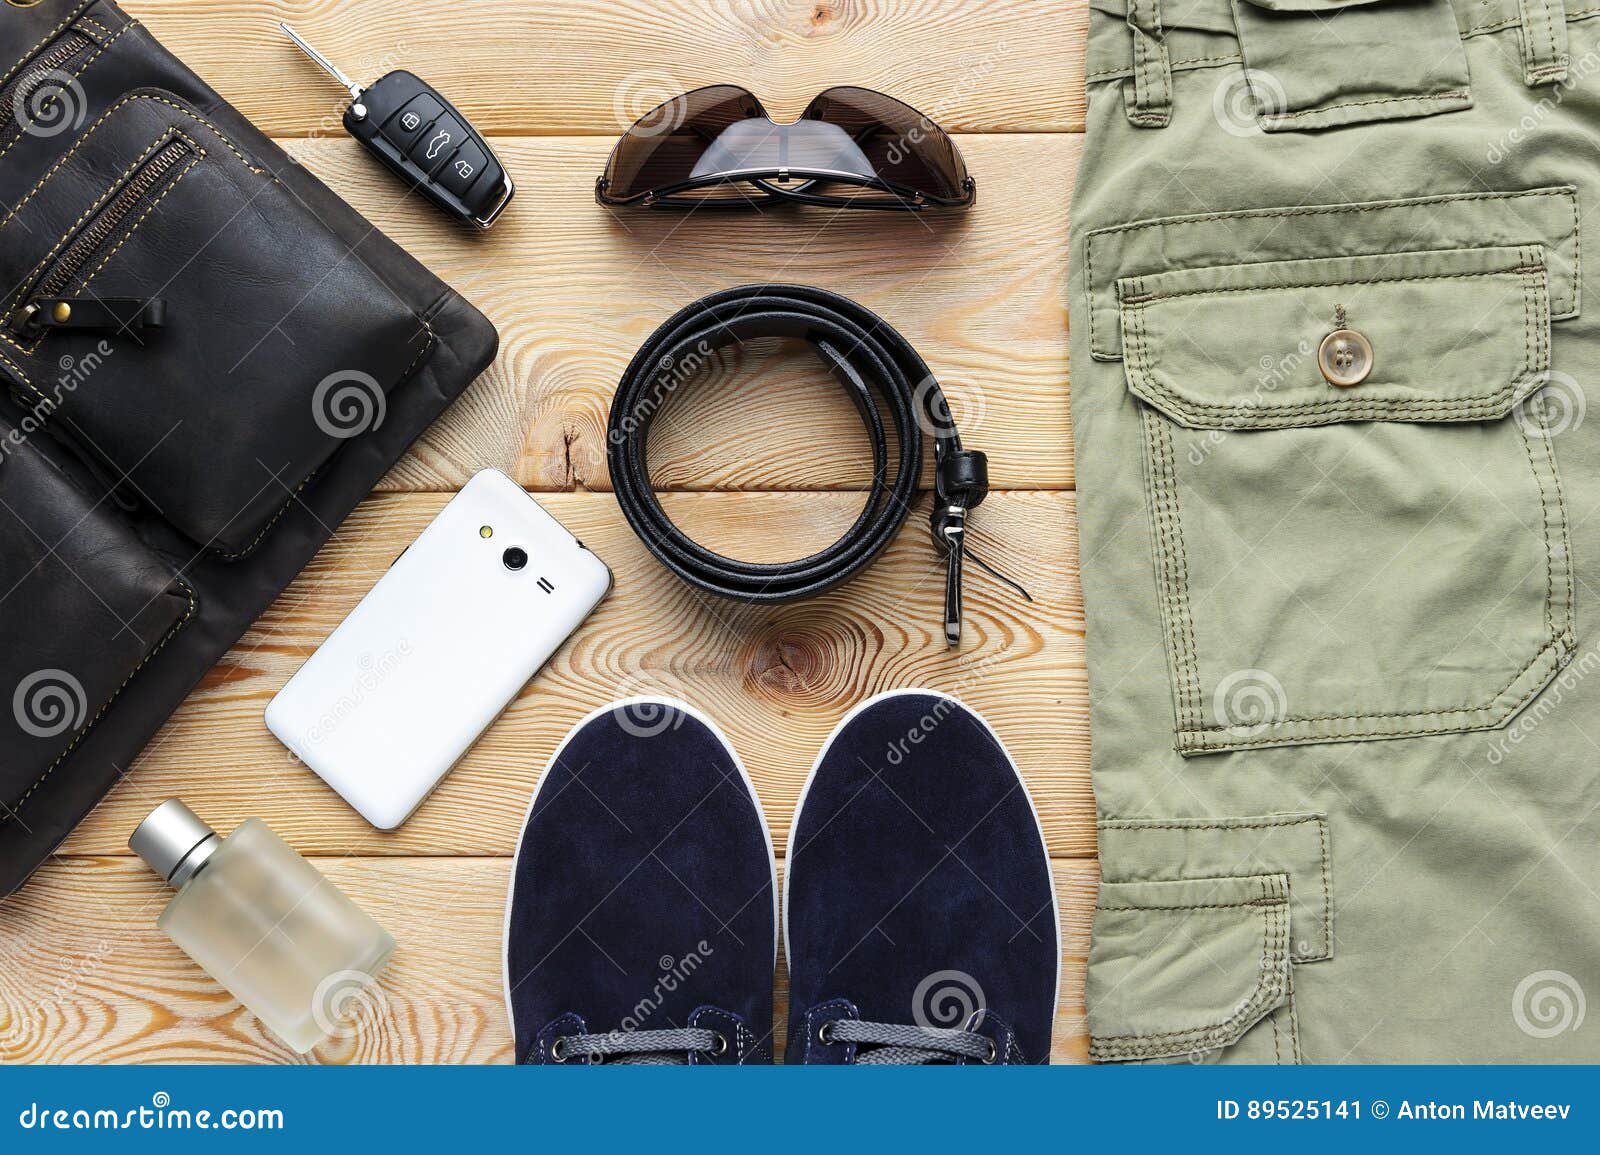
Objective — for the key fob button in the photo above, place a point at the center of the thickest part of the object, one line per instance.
(408, 123)
(437, 143)
(463, 169)
(487, 192)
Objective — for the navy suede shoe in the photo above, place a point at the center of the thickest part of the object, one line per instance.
(641, 923)
(919, 913)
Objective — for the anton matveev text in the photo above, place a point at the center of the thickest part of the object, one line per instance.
(1482, 1109)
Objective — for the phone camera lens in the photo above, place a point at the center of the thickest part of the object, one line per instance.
(515, 558)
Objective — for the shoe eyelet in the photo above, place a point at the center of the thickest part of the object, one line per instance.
(720, 1047)
(558, 1053)
(824, 1036)
(994, 1052)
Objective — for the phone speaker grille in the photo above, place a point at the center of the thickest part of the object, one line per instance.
(544, 584)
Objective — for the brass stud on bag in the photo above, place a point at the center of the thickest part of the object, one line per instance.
(1345, 355)
(62, 313)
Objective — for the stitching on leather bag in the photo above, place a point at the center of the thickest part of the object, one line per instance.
(1568, 191)
(177, 179)
(98, 204)
(43, 40)
(1271, 982)
(427, 348)
(188, 615)
(165, 139)
(99, 51)
(89, 132)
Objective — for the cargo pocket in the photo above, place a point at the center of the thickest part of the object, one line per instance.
(1318, 64)
(1359, 529)
(1190, 968)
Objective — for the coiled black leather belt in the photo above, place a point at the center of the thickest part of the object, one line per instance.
(870, 360)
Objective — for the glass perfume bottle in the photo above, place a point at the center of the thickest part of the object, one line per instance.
(262, 921)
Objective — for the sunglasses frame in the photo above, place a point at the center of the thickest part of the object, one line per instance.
(906, 199)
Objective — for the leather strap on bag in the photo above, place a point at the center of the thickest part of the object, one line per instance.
(874, 364)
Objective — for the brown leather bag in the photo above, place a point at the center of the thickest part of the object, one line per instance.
(210, 360)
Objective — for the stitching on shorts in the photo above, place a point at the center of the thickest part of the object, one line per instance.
(1188, 62)
(1190, 647)
(1430, 98)
(1268, 822)
(1197, 738)
(1568, 191)
(1136, 348)
(194, 605)
(1272, 982)
(1173, 580)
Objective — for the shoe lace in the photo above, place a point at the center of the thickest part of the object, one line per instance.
(897, 1044)
(640, 1048)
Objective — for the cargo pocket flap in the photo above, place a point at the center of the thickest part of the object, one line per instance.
(1451, 335)
(1547, 217)
(1188, 966)
(1388, 60)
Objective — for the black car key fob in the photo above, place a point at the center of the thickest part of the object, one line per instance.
(422, 138)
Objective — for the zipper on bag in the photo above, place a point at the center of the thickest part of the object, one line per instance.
(16, 92)
(43, 304)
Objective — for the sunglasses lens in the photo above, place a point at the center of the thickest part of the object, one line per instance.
(664, 146)
(903, 145)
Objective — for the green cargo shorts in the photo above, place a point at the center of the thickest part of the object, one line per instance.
(1331, 369)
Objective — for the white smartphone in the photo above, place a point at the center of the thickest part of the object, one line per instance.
(439, 647)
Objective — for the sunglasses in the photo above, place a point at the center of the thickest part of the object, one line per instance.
(717, 147)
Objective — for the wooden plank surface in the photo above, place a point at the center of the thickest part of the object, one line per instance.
(765, 440)
(85, 984)
(594, 66)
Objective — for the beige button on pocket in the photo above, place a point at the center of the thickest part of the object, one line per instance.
(1345, 358)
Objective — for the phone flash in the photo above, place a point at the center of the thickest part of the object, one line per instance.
(486, 532)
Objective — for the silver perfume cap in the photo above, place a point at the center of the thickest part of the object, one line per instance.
(174, 842)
